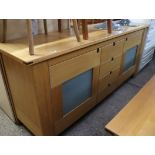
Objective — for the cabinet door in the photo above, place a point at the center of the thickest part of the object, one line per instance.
(129, 58)
(74, 84)
(131, 49)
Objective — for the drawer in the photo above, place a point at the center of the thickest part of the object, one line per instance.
(110, 66)
(108, 79)
(66, 70)
(105, 92)
(111, 50)
(133, 39)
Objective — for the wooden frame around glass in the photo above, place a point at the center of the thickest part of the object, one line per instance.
(93, 61)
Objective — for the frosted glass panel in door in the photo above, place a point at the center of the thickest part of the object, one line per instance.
(77, 90)
(129, 58)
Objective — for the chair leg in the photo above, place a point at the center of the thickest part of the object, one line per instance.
(109, 25)
(4, 37)
(76, 30)
(30, 36)
(85, 29)
(45, 26)
(59, 25)
(79, 23)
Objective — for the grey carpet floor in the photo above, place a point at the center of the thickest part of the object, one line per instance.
(92, 124)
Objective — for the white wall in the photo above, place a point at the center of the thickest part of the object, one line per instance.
(17, 28)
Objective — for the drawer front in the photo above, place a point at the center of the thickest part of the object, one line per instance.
(105, 92)
(110, 66)
(133, 39)
(66, 70)
(111, 50)
(109, 79)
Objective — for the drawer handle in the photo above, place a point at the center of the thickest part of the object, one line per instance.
(114, 43)
(109, 84)
(110, 72)
(98, 50)
(126, 39)
(112, 59)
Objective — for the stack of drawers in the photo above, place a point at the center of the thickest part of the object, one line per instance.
(111, 58)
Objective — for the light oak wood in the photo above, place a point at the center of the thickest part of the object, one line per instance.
(102, 94)
(75, 114)
(21, 85)
(110, 66)
(137, 118)
(30, 36)
(41, 79)
(133, 39)
(111, 77)
(126, 75)
(83, 50)
(31, 95)
(114, 49)
(36, 84)
(76, 30)
(56, 95)
(111, 52)
(68, 69)
(57, 44)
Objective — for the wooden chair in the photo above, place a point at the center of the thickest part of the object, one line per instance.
(85, 23)
(30, 35)
(75, 27)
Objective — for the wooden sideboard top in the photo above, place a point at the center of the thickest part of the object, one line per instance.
(56, 44)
